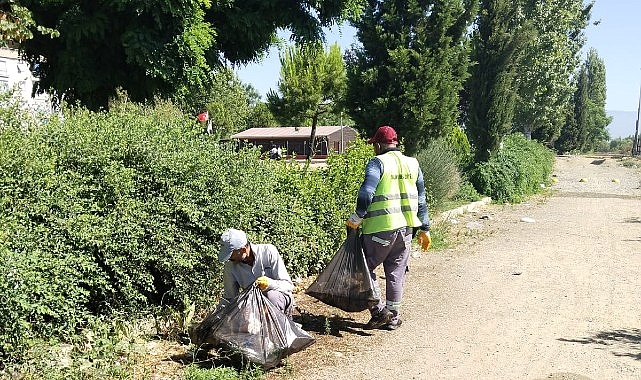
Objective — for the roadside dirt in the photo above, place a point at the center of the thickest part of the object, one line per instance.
(548, 289)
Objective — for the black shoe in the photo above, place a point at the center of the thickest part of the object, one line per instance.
(379, 319)
(393, 324)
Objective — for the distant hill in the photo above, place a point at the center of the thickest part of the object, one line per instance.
(623, 124)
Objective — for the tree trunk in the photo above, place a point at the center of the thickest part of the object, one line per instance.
(312, 138)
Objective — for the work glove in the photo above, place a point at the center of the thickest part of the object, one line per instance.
(424, 239)
(354, 221)
(262, 282)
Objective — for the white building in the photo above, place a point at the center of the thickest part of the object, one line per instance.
(15, 72)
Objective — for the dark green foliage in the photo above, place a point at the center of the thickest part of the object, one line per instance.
(145, 47)
(550, 59)
(467, 193)
(619, 145)
(516, 171)
(160, 48)
(228, 103)
(261, 116)
(497, 48)
(460, 145)
(410, 68)
(573, 133)
(247, 28)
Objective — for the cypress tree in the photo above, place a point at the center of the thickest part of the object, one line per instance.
(496, 50)
(410, 67)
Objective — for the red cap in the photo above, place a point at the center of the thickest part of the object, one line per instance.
(384, 135)
(203, 116)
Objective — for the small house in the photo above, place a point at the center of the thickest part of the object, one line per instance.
(294, 141)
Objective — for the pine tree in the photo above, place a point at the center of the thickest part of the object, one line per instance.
(312, 83)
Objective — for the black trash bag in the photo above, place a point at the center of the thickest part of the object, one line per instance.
(252, 326)
(345, 283)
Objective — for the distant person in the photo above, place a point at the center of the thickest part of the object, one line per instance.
(275, 153)
(247, 263)
(203, 118)
(390, 206)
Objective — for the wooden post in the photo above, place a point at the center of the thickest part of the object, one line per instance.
(635, 142)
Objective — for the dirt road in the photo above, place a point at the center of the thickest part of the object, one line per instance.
(549, 289)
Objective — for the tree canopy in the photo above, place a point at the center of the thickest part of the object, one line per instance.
(498, 46)
(524, 56)
(312, 83)
(157, 47)
(17, 24)
(550, 60)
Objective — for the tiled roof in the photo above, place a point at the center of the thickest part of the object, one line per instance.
(284, 132)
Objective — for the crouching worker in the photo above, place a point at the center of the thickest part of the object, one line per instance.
(247, 263)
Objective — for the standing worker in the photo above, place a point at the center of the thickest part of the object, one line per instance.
(247, 263)
(390, 206)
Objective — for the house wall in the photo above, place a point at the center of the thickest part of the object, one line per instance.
(290, 146)
(336, 141)
(15, 72)
(340, 140)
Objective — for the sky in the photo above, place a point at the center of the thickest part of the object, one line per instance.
(617, 40)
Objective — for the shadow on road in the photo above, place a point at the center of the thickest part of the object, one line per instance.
(330, 325)
(624, 342)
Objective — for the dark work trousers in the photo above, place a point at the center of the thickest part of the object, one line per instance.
(281, 300)
(392, 249)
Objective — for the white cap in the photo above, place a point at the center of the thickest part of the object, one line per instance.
(230, 241)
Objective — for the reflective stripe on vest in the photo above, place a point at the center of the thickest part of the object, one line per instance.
(395, 201)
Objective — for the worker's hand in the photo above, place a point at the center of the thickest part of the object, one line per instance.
(424, 239)
(354, 221)
(262, 282)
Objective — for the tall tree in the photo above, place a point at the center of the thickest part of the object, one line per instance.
(589, 125)
(598, 120)
(312, 83)
(410, 67)
(498, 45)
(573, 133)
(165, 48)
(549, 61)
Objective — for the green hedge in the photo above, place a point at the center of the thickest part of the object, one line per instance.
(122, 211)
(516, 171)
(103, 212)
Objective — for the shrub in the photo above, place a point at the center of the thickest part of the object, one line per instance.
(459, 144)
(516, 171)
(439, 162)
(467, 193)
(122, 211)
(619, 145)
(14, 113)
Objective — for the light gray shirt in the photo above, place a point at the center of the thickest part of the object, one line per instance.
(268, 263)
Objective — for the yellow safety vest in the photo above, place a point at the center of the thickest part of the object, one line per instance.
(395, 201)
